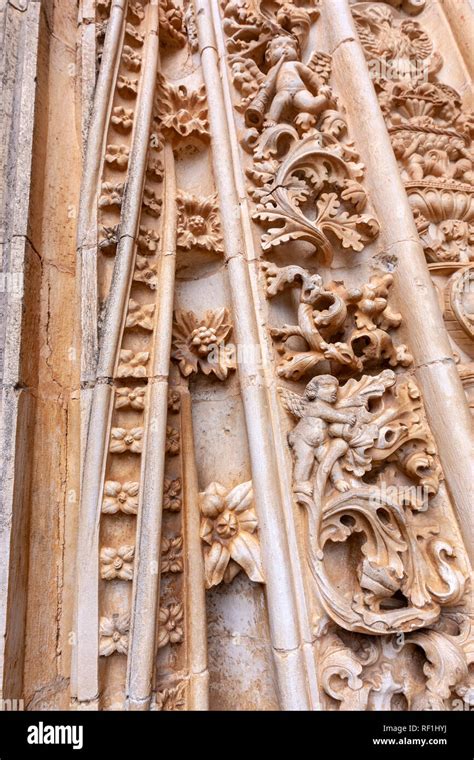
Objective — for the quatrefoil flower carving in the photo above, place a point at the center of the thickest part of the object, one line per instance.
(170, 625)
(123, 440)
(117, 563)
(120, 497)
(113, 634)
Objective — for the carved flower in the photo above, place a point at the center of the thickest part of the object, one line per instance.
(118, 155)
(128, 88)
(227, 525)
(132, 364)
(148, 241)
(113, 634)
(155, 169)
(171, 24)
(198, 223)
(136, 11)
(117, 563)
(172, 441)
(131, 59)
(120, 497)
(200, 344)
(122, 118)
(174, 401)
(170, 625)
(123, 440)
(182, 110)
(151, 202)
(172, 494)
(133, 397)
(171, 699)
(111, 194)
(140, 315)
(171, 555)
(109, 239)
(103, 6)
(145, 272)
(133, 36)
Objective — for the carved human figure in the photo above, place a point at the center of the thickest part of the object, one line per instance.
(310, 439)
(290, 86)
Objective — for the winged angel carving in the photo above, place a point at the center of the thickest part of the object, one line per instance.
(372, 427)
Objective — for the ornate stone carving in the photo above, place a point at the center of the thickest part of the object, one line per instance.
(406, 571)
(133, 364)
(198, 223)
(125, 441)
(120, 497)
(172, 699)
(140, 315)
(359, 319)
(311, 176)
(117, 563)
(114, 634)
(172, 495)
(431, 134)
(172, 28)
(170, 625)
(181, 111)
(171, 554)
(201, 344)
(228, 526)
(424, 670)
(172, 441)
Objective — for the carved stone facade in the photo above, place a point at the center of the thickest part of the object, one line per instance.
(238, 368)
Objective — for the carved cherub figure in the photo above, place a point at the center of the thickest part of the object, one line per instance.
(289, 87)
(334, 429)
(310, 439)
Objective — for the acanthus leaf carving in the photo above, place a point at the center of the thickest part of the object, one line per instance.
(406, 572)
(359, 319)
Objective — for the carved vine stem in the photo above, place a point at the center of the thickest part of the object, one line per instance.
(85, 666)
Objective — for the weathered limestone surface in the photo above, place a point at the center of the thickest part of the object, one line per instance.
(237, 347)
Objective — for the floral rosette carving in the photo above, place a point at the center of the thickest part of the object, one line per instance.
(120, 497)
(198, 223)
(180, 111)
(228, 527)
(170, 625)
(200, 344)
(113, 634)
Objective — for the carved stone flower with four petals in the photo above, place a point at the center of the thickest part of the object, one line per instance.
(117, 563)
(123, 440)
(120, 497)
(170, 625)
(113, 634)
